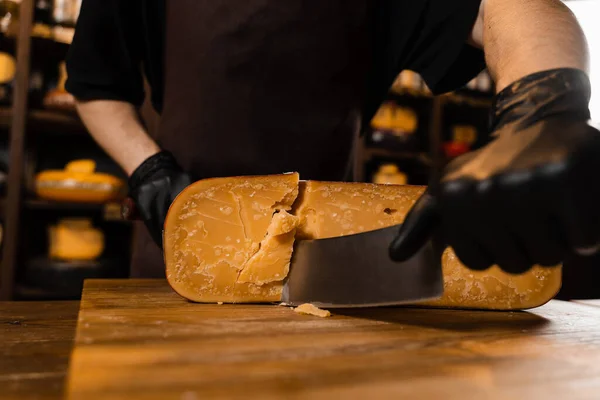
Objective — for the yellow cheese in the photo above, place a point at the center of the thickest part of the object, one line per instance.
(495, 289)
(271, 263)
(78, 182)
(75, 239)
(310, 309)
(231, 240)
(218, 227)
(330, 209)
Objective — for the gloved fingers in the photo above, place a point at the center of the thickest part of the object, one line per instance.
(178, 184)
(579, 214)
(529, 220)
(540, 240)
(468, 250)
(151, 199)
(162, 204)
(573, 201)
(418, 227)
(457, 201)
(581, 229)
(489, 221)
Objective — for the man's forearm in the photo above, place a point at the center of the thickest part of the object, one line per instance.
(521, 37)
(116, 127)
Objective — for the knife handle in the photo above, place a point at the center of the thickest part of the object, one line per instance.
(129, 210)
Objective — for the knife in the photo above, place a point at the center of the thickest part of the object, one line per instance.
(356, 271)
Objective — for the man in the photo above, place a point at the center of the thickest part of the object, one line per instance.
(270, 86)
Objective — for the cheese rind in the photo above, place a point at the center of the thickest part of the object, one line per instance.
(494, 289)
(215, 227)
(231, 240)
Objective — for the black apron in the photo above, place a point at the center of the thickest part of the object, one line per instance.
(260, 87)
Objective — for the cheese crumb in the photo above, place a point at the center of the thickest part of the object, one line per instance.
(309, 309)
(220, 303)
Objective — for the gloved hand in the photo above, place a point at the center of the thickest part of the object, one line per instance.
(531, 195)
(153, 187)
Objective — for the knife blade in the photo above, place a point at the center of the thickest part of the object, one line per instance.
(356, 271)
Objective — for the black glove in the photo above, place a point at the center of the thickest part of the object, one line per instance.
(530, 196)
(153, 187)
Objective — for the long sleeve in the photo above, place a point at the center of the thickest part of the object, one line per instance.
(425, 36)
(105, 58)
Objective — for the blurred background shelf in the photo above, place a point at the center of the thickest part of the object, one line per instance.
(46, 121)
(382, 152)
(64, 279)
(40, 131)
(46, 48)
(108, 211)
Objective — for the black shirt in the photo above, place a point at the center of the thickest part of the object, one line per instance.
(118, 41)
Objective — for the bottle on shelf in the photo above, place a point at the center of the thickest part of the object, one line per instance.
(42, 17)
(410, 82)
(9, 17)
(482, 83)
(64, 16)
(58, 98)
(462, 141)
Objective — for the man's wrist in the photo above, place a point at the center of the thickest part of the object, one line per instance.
(138, 158)
(543, 93)
(152, 167)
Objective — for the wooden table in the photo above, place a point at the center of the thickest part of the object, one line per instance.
(36, 339)
(139, 340)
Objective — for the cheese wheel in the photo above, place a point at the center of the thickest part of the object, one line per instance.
(231, 240)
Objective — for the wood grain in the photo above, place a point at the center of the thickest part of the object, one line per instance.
(139, 340)
(36, 342)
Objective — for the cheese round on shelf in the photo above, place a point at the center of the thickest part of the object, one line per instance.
(78, 182)
(75, 239)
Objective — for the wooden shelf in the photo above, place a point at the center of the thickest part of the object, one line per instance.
(42, 48)
(110, 211)
(462, 96)
(41, 204)
(46, 122)
(381, 152)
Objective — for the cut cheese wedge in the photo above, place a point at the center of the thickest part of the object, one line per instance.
(231, 240)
